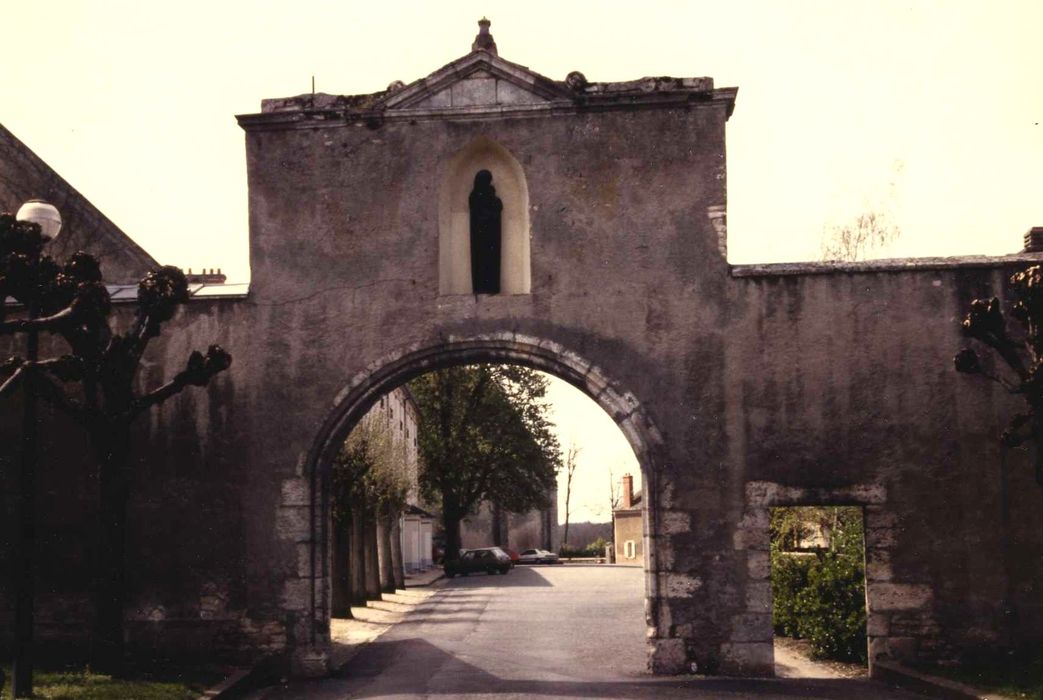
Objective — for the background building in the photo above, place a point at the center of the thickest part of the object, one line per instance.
(627, 525)
(536, 528)
(398, 413)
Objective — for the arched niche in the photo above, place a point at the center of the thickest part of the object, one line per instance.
(454, 243)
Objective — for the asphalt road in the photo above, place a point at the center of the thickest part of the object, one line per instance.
(541, 632)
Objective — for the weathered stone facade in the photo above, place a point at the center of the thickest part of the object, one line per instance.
(740, 388)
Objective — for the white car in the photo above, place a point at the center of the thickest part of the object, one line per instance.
(537, 556)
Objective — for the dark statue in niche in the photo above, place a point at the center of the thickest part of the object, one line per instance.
(486, 209)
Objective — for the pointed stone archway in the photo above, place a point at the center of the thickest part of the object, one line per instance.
(366, 388)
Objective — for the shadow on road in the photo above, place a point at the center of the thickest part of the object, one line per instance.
(517, 577)
(461, 678)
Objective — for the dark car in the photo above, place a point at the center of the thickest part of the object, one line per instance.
(491, 560)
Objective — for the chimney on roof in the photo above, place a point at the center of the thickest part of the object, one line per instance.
(210, 276)
(628, 492)
(484, 41)
(1034, 240)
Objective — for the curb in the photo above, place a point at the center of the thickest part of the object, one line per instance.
(926, 684)
(425, 583)
(238, 679)
(341, 662)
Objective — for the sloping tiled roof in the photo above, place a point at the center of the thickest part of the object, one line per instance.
(24, 176)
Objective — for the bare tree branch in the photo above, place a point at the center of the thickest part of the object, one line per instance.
(47, 323)
(198, 372)
(14, 380)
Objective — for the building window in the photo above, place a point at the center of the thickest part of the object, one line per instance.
(629, 549)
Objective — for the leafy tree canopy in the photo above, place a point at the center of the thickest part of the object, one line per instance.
(484, 436)
(370, 469)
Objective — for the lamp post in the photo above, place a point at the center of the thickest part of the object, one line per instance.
(46, 215)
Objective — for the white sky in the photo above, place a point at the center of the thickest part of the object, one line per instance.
(604, 454)
(927, 110)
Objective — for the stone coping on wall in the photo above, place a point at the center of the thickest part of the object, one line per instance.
(320, 118)
(885, 265)
(127, 293)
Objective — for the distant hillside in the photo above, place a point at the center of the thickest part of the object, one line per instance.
(582, 534)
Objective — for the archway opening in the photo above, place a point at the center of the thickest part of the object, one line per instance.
(589, 550)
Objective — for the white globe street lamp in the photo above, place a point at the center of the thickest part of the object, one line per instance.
(43, 213)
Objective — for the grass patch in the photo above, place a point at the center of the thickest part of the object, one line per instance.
(82, 684)
(1016, 674)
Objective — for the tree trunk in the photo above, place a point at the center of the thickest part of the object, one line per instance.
(112, 445)
(568, 497)
(497, 525)
(357, 560)
(1039, 450)
(387, 568)
(369, 552)
(451, 523)
(546, 530)
(397, 565)
(340, 568)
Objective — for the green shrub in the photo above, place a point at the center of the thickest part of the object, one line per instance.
(832, 608)
(821, 596)
(594, 549)
(789, 577)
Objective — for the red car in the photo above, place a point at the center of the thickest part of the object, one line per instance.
(512, 554)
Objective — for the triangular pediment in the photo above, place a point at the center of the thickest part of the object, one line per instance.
(479, 79)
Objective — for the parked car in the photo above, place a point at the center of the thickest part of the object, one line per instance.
(537, 556)
(512, 554)
(491, 560)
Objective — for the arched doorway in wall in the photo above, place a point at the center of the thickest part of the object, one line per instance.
(367, 389)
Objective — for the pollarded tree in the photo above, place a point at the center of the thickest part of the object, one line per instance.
(1021, 350)
(484, 436)
(369, 485)
(71, 301)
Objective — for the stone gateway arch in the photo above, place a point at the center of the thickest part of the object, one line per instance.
(739, 387)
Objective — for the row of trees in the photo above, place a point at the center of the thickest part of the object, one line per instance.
(369, 484)
(483, 437)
